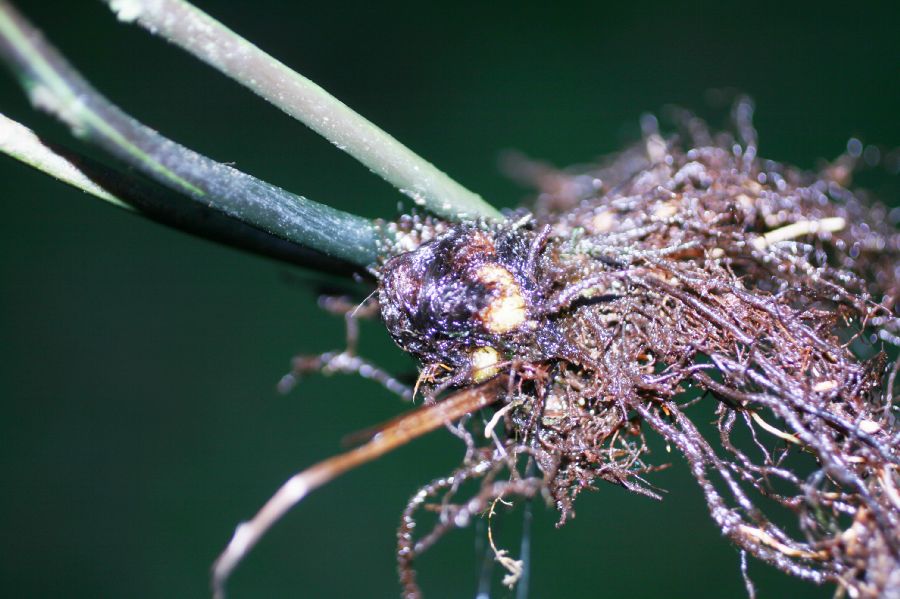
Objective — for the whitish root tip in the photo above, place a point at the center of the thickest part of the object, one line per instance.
(241, 539)
(127, 11)
(234, 552)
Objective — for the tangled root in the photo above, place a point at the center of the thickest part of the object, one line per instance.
(684, 270)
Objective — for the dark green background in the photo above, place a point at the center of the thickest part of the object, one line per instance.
(139, 422)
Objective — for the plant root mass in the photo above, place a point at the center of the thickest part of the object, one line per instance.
(685, 271)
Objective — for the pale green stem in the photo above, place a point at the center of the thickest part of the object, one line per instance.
(56, 87)
(144, 198)
(21, 143)
(210, 41)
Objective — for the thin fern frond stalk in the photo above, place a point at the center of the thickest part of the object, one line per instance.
(53, 85)
(202, 36)
(21, 143)
(144, 198)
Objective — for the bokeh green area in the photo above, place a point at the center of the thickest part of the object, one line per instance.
(138, 417)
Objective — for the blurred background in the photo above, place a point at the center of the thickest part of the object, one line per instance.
(140, 421)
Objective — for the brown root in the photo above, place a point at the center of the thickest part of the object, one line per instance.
(670, 276)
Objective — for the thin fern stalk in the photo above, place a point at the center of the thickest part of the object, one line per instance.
(21, 143)
(53, 85)
(143, 197)
(202, 36)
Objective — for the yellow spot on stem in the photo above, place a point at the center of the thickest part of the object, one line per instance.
(506, 311)
(484, 364)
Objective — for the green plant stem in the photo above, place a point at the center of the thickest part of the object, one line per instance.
(21, 143)
(210, 41)
(53, 85)
(144, 198)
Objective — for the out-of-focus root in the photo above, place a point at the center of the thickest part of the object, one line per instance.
(395, 433)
